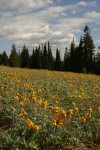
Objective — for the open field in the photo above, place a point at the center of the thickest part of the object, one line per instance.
(44, 110)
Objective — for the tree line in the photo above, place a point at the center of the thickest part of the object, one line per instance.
(80, 58)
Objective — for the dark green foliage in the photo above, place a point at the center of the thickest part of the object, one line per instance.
(79, 56)
(37, 58)
(72, 56)
(4, 59)
(83, 70)
(88, 50)
(24, 57)
(44, 57)
(0, 59)
(14, 60)
(66, 60)
(97, 64)
(58, 60)
(50, 57)
(32, 60)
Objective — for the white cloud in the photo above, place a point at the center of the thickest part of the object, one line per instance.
(98, 42)
(93, 14)
(83, 3)
(24, 4)
(22, 23)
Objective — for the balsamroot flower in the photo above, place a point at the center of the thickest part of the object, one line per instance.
(23, 112)
(30, 125)
(58, 122)
(70, 113)
(83, 120)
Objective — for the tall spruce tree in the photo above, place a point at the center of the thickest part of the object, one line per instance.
(66, 60)
(79, 62)
(24, 57)
(37, 58)
(0, 59)
(4, 59)
(58, 61)
(50, 57)
(97, 62)
(88, 49)
(32, 59)
(14, 60)
(45, 58)
(72, 56)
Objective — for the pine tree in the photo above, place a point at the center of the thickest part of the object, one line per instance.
(50, 57)
(38, 58)
(4, 59)
(79, 56)
(58, 61)
(45, 58)
(72, 56)
(32, 59)
(66, 60)
(24, 57)
(97, 62)
(0, 59)
(88, 49)
(14, 60)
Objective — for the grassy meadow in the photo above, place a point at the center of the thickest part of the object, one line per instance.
(44, 110)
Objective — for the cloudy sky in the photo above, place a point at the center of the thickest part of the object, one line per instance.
(32, 22)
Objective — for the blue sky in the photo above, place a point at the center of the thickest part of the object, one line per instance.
(33, 22)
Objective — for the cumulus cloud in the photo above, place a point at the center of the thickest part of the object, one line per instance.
(24, 4)
(33, 22)
(93, 14)
(83, 3)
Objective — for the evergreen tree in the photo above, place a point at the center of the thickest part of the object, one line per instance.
(24, 57)
(32, 60)
(66, 60)
(45, 58)
(72, 56)
(14, 60)
(42, 58)
(97, 62)
(37, 58)
(4, 59)
(0, 59)
(50, 57)
(78, 62)
(58, 61)
(88, 49)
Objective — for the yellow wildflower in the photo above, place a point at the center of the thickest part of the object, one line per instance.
(36, 128)
(99, 109)
(73, 104)
(69, 113)
(58, 122)
(57, 109)
(88, 115)
(47, 107)
(89, 109)
(16, 98)
(29, 123)
(22, 113)
(76, 108)
(83, 120)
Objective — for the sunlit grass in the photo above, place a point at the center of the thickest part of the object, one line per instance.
(44, 109)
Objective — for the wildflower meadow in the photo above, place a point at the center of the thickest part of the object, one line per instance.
(44, 110)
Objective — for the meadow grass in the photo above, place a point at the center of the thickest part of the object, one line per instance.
(41, 109)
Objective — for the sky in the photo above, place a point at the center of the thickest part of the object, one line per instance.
(33, 22)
